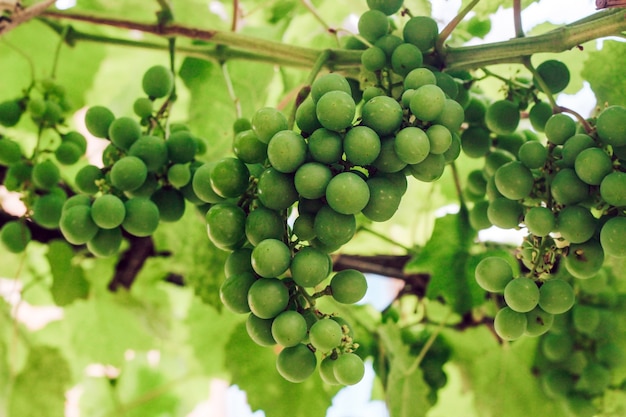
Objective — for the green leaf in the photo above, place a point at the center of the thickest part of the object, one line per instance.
(253, 369)
(604, 70)
(68, 277)
(407, 393)
(39, 390)
(447, 258)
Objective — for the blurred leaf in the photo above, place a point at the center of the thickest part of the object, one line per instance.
(69, 281)
(604, 70)
(447, 258)
(253, 369)
(39, 390)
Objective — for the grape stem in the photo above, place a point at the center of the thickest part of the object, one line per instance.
(457, 186)
(428, 344)
(447, 31)
(517, 18)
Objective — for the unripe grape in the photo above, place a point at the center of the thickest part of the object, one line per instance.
(234, 291)
(226, 225)
(151, 150)
(510, 324)
(327, 370)
(325, 334)
(230, 177)
(286, 151)
(478, 218)
(576, 224)
(15, 235)
(268, 297)
(373, 24)
(303, 226)
(538, 322)
(592, 165)
(567, 188)
(143, 107)
(361, 145)
(388, 7)
(419, 77)
(533, 154)
(556, 296)
(421, 31)
(427, 103)
(289, 328)
(557, 347)
(348, 286)
(10, 113)
(263, 223)
(452, 115)
(335, 110)
(108, 211)
(430, 169)
(383, 114)
(521, 294)
(384, 199)
(276, 190)
(68, 153)
(45, 174)
(347, 193)
(504, 213)
(573, 147)
(296, 363)
(77, 225)
(266, 122)
(612, 189)
(613, 237)
(181, 147)
(585, 319)
(555, 75)
(325, 146)
(502, 117)
(493, 274)
(584, 260)
(610, 126)
(10, 152)
(271, 258)
(539, 115)
(448, 84)
(439, 137)
(388, 160)
(201, 184)
(327, 83)
(129, 173)
(348, 369)
(170, 202)
(179, 175)
(260, 330)
(157, 81)
(311, 180)
(306, 118)
(333, 228)
(249, 148)
(559, 128)
(47, 210)
(142, 217)
(310, 267)
(98, 119)
(514, 180)
(374, 59)
(106, 242)
(540, 221)
(412, 145)
(406, 57)
(123, 132)
(475, 141)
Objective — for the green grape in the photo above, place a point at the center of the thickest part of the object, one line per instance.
(384, 199)
(230, 177)
(10, 112)
(45, 174)
(310, 267)
(521, 294)
(327, 83)
(475, 141)
(348, 369)
(613, 237)
(327, 370)
(263, 223)
(348, 286)
(241, 124)
(428, 102)
(540, 221)
(325, 146)
(594, 380)
(181, 147)
(128, 174)
(576, 224)
(479, 27)
(572, 147)
(276, 190)
(260, 330)
(151, 150)
(77, 226)
(266, 122)
(325, 334)
(584, 260)
(179, 175)
(452, 115)
(495, 160)
(170, 202)
(406, 57)
(76, 200)
(510, 324)
(373, 24)
(592, 165)
(388, 7)
(146, 189)
(108, 211)
(612, 189)
(303, 226)
(361, 145)
(412, 145)
(201, 184)
(383, 114)
(610, 354)
(556, 296)
(306, 117)
(347, 193)
(555, 75)
(289, 328)
(98, 119)
(248, 148)
(478, 218)
(504, 213)
(286, 151)
(430, 169)
(157, 81)
(567, 188)
(419, 77)
(47, 210)
(67, 153)
(475, 110)
(447, 83)
(493, 274)
(421, 31)
(585, 319)
(111, 154)
(374, 58)
(335, 110)
(332, 228)
(268, 297)
(388, 160)
(502, 117)
(142, 217)
(234, 291)
(559, 128)
(10, 152)
(595, 285)
(311, 180)
(238, 261)
(15, 235)
(538, 322)
(439, 137)
(533, 154)
(36, 107)
(557, 347)
(476, 183)
(556, 383)
(226, 225)
(610, 126)
(271, 258)
(123, 132)
(539, 115)
(454, 151)
(106, 242)
(143, 107)
(514, 180)
(296, 363)
(511, 142)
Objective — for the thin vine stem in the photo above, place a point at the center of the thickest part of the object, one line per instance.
(231, 89)
(447, 31)
(517, 18)
(57, 52)
(457, 185)
(420, 357)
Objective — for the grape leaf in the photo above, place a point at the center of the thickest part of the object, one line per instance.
(39, 389)
(604, 70)
(407, 393)
(253, 369)
(69, 281)
(447, 258)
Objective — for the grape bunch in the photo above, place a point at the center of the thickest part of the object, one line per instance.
(582, 354)
(567, 191)
(36, 173)
(291, 195)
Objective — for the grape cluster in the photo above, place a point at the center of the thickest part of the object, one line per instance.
(36, 173)
(566, 190)
(290, 196)
(582, 354)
